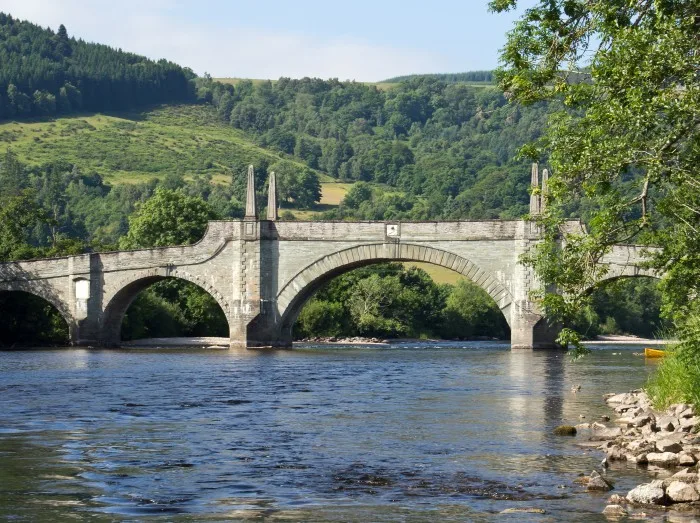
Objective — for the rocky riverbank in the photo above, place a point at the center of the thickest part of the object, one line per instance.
(666, 443)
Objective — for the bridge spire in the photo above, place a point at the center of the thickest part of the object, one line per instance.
(543, 195)
(534, 185)
(272, 198)
(251, 211)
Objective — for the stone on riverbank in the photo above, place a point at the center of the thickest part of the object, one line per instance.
(647, 493)
(598, 482)
(667, 445)
(663, 459)
(615, 511)
(606, 434)
(681, 492)
(565, 430)
(686, 459)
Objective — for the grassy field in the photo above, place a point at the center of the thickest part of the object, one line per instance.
(135, 147)
(382, 86)
(438, 273)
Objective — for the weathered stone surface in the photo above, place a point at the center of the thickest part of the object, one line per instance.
(606, 434)
(616, 499)
(678, 408)
(686, 459)
(619, 398)
(688, 423)
(640, 459)
(686, 475)
(667, 445)
(682, 492)
(648, 493)
(597, 482)
(687, 413)
(667, 423)
(641, 420)
(664, 459)
(615, 511)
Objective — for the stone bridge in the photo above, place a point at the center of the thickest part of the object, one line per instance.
(261, 272)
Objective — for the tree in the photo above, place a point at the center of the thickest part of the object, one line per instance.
(470, 311)
(171, 307)
(370, 300)
(297, 184)
(626, 145)
(167, 218)
(63, 46)
(19, 214)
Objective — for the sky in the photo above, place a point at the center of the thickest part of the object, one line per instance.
(361, 40)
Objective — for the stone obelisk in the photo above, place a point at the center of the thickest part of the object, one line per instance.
(534, 186)
(543, 196)
(251, 212)
(272, 198)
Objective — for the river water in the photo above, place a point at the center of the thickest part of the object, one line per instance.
(414, 432)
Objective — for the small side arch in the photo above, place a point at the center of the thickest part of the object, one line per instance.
(623, 273)
(129, 288)
(45, 292)
(41, 290)
(308, 280)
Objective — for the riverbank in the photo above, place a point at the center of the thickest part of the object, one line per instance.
(209, 342)
(617, 339)
(665, 443)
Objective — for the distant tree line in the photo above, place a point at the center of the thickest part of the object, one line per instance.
(450, 78)
(43, 73)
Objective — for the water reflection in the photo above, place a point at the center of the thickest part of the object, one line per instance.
(417, 432)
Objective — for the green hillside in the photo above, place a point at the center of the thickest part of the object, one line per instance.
(138, 146)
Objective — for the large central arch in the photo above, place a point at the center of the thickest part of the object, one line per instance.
(129, 288)
(293, 296)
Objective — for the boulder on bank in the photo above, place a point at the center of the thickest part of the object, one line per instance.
(615, 511)
(663, 459)
(667, 445)
(598, 482)
(648, 493)
(606, 434)
(682, 492)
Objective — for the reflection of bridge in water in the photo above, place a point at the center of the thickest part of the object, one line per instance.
(261, 272)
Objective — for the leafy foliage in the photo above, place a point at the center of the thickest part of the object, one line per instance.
(625, 147)
(390, 300)
(169, 217)
(447, 148)
(171, 307)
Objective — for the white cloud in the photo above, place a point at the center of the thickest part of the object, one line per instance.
(147, 27)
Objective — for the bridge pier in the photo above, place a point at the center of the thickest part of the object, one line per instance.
(530, 330)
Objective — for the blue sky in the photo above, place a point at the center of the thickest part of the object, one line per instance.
(358, 40)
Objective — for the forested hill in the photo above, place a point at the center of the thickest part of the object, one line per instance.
(452, 78)
(437, 149)
(46, 73)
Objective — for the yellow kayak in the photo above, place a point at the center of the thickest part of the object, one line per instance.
(653, 353)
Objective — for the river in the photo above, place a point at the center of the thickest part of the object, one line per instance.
(415, 432)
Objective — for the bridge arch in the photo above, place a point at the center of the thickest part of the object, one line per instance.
(127, 289)
(46, 293)
(293, 296)
(43, 291)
